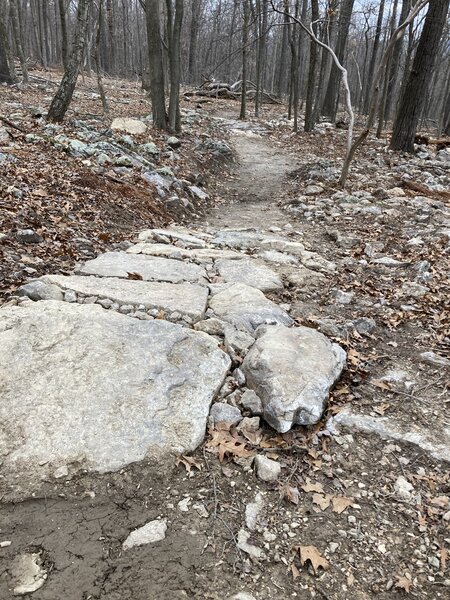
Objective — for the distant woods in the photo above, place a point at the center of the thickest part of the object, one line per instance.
(256, 48)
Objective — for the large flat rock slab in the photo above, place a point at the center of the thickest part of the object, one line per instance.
(247, 308)
(150, 268)
(185, 298)
(171, 236)
(250, 272)
(85, 388)
(292, 371)
(433, 441)
(178, 253)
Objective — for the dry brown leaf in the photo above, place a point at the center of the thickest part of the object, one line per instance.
(383, 385)
(340, 504)
(292, 494)
(444, 558)
(310, 486)
(322, 501)
(313, 555)
(189, 462)
(403, 583)
(382, 408)
(442, 501)
(225, 444)
(295, 572)
(350, 579)
(135, 276)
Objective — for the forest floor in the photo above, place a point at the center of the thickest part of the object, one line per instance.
(362, 507)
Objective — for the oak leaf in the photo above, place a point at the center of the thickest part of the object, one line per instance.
(315, 558)
(340, 504)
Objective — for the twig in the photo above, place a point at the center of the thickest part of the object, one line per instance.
(13, 125)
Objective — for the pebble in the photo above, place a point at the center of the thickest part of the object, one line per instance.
(267, 469)
(151, 532)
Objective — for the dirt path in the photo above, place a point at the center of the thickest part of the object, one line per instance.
(336, 498)
(255, 187)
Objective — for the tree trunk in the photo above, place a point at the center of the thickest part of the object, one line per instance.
(157, 81)
(175, 65)
(373, 59)
(193, 39)
(309, 121)
(245, 26)
(332, 96)
(327, 61)
(415, 91)
(5, 71)
(18, 39)
(64, 41)
(101, 89)
(63, 96)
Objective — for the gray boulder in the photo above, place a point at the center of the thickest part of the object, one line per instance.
(250, 272)
(292, 371)
(150, 268)
(247, 308)
(93, 389)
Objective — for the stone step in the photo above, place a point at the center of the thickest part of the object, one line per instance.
(85, 388)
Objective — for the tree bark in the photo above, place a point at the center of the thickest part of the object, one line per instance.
(193, 39)
(332, 96)
(309, 121)
(175, 65)
(157, 80)
(63, 96)
(5, 71)
(245, 26)
(64, 40)
(18, 39)
(415, 91)
(373, 58)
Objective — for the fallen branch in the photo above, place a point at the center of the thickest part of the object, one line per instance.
(13, 125)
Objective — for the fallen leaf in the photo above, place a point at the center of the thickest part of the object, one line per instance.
(382, 408)
(322, 501)
(189, 462)
(310, 486)
(340, 504)
(383, 385)
(295, 572)
(136, 276)
(313, 555)
(292, 494)
(350, 579)
(225, 444)
(403, 583)
(444, 558)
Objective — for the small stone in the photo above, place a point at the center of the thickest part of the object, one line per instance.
(313, 190)
(173, 142)
(29, 236)
(250, 401)
(250, 425)
(70, 296)
(333, 546)
(210, 326)
(433, 359)
(38, 290)
(342, 297)
(247, 547)
(239, 377)
(403, 489)
(28, 574)
(154, 531)
(253, 512)
(242, 596)
(183, 505)
(267, 469)
(61, 472)
(221, 412)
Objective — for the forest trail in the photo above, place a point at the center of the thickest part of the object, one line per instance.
(122, 376)
(258, 179)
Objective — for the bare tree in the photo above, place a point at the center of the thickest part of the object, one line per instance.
(155, 50)
(5, 70)
(415, 91)
(174, 23)
(63, 96)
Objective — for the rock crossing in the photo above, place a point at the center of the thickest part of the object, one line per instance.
(123, 360)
